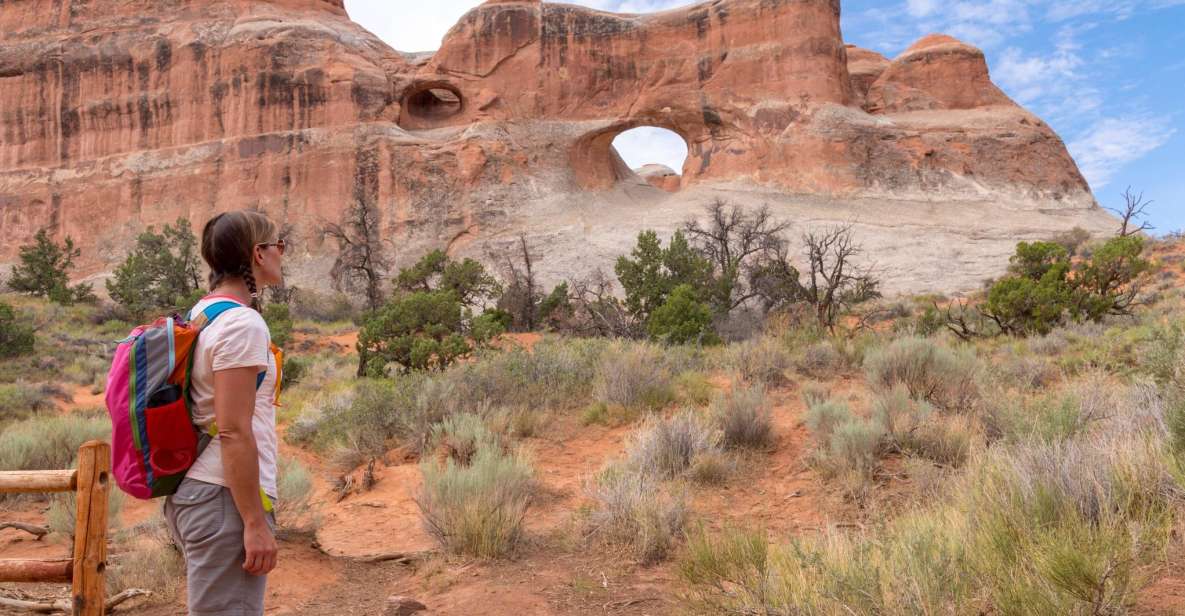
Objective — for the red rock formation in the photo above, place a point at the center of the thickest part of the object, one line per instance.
(118, 114)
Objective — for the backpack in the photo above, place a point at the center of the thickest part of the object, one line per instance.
(154, 441)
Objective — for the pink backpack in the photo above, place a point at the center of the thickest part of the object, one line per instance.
(154, 441)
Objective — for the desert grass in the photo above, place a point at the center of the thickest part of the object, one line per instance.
(477, 507)
(744, 417)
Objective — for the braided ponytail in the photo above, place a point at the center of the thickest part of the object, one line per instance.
(249, 279)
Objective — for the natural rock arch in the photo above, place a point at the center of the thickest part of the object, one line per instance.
(596, 165)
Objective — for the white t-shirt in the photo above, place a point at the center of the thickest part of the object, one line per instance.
(238, 338)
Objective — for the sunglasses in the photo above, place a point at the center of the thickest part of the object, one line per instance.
(278, 244)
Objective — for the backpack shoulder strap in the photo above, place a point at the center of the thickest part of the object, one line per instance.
(212, 312)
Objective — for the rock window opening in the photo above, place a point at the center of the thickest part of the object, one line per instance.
(657, 155)
(434, 104)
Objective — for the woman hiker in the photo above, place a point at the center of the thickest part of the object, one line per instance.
(221, 515)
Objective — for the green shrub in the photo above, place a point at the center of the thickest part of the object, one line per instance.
(477, 509)
(944, 377)
(44, 271)
(744, 418)
(1045, 288)
(16, 337)
(279, 323)
(682, 319)
(636, 510)
(667, 448)
(295, 369)
(50, 442)
(162, 271)
(633, 376)
(651, 274)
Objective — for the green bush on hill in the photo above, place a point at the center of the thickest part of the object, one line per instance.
(161, 272)
(44, 271)
(16, 338)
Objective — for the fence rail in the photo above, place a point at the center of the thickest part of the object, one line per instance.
(90, 483)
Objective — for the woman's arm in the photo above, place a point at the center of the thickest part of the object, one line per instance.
(234, 405)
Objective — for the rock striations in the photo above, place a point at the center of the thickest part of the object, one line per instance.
(119, 114)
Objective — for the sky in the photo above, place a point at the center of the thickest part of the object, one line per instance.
(1107, 75)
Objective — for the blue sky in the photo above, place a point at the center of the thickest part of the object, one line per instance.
(1108, 75)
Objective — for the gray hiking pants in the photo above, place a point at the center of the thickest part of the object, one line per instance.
(206, 525)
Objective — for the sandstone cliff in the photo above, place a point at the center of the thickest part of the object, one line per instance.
(118, 114)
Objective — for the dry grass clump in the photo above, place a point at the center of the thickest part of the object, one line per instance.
(744, 418)
(763, 360)
(914, 427)
(667, 448)
(20, 399)
(848, 447)
(49, 442)
(1066, 526)
(146, 559)
(694, 388)
(62, 513)
(821, 360)
(636, 510)
(477, 508)
(294, 507)
(947, 378)
(633, 376)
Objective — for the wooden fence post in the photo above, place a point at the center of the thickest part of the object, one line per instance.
(90, 529)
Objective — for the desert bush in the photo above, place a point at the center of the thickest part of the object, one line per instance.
(820, 360)
(667, 448)
(633, 376)
(477, 509)
(557, 372)
(279, 322)
(459, 437)
(1031, 529)
(363, 415)
(914, 427)
(16, 337)
(1163, 357)
(744, 417)
(49, 442)
(320, 307)
(294, 507)
(421, 330)
(762, 360)
(694, 388)
(62, 513)
(814, 394)
(824, 416)
(711, 469)
(295, 369)
(945, 377)
(19, 400)
(636, 510)
(148, 560)
(1027, 372)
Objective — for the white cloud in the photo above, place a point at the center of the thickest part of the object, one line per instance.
(420, 26)
(1111, 143)
(921, 8)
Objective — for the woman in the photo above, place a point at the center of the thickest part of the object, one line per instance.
(221, 513)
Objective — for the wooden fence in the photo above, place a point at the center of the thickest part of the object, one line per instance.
(90, 483)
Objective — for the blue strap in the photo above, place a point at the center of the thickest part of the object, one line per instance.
(217, 308)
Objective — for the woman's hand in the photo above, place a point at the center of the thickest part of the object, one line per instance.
(261, 548)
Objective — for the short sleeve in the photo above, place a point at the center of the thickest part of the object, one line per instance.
(242, 340)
